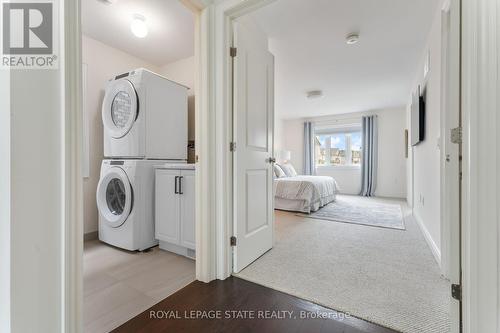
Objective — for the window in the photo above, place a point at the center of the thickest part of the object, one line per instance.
(337, 147)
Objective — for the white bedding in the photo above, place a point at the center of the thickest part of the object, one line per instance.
(304, 193)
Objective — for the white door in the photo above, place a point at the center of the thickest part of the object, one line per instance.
(167, 207)
(186, 191)
(253, 115)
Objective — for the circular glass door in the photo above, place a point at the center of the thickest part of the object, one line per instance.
(119, 108)
(114, 197)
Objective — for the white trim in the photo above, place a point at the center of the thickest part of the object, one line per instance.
(205, 146)
(86, 125)
(72, 148)
(428, 238)
(5, 188)
(444, 198)
(481, 153)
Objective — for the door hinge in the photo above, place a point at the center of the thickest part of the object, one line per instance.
(233, 240)
(232, 146)
(456, 292)
(232, 52)
(456, 135)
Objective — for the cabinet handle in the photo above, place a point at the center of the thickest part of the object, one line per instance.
(176, 190)
(180, 185)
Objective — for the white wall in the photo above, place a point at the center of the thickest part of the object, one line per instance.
(103, 62)
(391, 177)
(292, 139)
(182, 71)
(426, 155)
(36, 201)
(391, 161)
(5, 201)
(278, 134)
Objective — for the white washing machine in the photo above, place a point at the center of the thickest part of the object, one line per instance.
(125, 200)
(145, 116)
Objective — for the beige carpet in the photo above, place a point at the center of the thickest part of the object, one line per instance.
(385, 276)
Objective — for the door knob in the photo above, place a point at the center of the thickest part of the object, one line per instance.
(271, 160)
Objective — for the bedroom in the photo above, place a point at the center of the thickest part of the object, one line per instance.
(358, 218)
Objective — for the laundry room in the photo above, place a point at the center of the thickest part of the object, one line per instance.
(138, 156)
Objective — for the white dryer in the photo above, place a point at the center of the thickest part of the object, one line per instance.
(145, 116)
(125, 200)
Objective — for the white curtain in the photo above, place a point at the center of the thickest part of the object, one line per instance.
(370, 156)
(309, 167)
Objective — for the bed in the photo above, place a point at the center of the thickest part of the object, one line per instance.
(304, 194)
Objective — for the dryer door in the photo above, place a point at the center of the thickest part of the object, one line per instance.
(115, 197)
(119, 108)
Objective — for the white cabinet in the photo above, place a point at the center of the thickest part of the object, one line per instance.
(187, 209)
(174, 209)
(167, 207)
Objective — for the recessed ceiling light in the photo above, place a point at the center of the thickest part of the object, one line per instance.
(138, 26)
(352, 39)
(314, 94)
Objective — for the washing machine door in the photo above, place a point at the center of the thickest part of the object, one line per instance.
(119, 108)
(115, 197)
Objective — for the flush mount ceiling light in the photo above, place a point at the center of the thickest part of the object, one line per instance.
(138, 26)
(314, 94)
(352, 39)
(107, 2)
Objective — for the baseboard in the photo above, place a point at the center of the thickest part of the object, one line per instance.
(90, 236)
(432, 245)
(180, 250)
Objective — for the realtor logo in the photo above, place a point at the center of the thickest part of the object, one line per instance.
(28, 34)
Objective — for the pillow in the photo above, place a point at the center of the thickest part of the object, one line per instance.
(289, 170)
(278, 172)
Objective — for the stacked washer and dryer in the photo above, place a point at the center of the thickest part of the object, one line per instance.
(145, 119)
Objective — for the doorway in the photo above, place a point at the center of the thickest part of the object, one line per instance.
(416, 222)
(139, 157)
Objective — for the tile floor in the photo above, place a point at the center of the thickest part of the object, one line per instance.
(118, 284)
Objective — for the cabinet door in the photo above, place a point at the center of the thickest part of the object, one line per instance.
(167, 206)
(187, 209)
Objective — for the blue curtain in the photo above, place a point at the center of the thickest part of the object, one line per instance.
(309, 167)
(370, 156)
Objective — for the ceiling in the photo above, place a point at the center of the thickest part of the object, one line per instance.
(307, 38)
(170, 23)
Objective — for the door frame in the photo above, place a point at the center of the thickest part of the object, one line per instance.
(222, 15)
(450, 103)
(216, 35)
(480, 32)
(450, 163)
(481, 162)
(72, 129)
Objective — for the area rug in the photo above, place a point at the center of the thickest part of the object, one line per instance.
(361, 210)
(385, 276)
